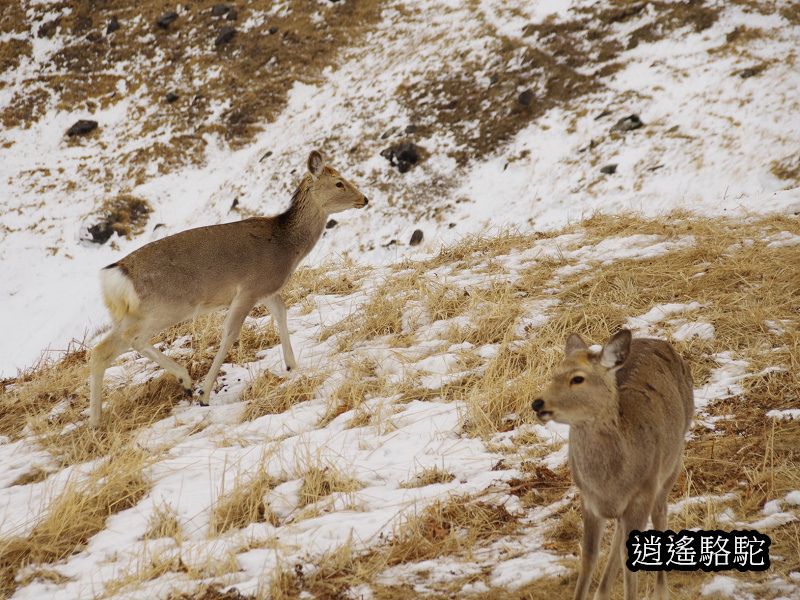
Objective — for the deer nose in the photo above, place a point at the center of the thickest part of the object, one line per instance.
(537, 404)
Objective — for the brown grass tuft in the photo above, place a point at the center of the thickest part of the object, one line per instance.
(270, 394)
(321, 481)
(76, 514)
(429, 476)
(244, 504)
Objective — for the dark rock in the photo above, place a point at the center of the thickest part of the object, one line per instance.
(172, 96)
(751, 72)
(225, 36)
(100, 232)
(494, 79)
(94, 37)
(388, 133)
(411, 129)
(526, 97)
(609, 170)
(82, 127)
(416, 237)
(235, 203)
(331, 224)
(48, 30)
(113, 25)
(232, 15)
(273, 30)
(594, 143)
(166, 19)
(402, 155)
(627, 124)
(451, 105)
(603, 114)
(219, 9)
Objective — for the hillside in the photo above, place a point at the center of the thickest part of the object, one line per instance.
(575, 167)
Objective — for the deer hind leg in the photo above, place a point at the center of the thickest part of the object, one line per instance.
(277, 309)
(138, 338)
(592, 534)
(237, 312)
(659, 518)
(102, 356)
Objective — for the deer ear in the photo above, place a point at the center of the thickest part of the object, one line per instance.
(316, 164)
(575, 344)
(616, 350)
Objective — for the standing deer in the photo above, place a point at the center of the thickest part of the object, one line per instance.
(629, 407)
(198, 271)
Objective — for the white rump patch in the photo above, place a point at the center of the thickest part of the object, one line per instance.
(118, 293)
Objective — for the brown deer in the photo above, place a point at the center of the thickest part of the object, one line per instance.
(198, 271)
(629, 407)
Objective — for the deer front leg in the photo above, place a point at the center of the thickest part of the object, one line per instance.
(277, 309)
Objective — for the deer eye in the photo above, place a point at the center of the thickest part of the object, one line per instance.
(577, 380)
(340, 184)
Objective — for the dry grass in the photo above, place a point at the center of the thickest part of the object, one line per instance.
(270, 394)
(77, 513)
(429, 476)
(381, 315)
(244, 504)
(360, 384)
(748, 289)
(163, 523)
(322, 480)
(125, 215)
(201, 336)
(339, 278)
(257, 69)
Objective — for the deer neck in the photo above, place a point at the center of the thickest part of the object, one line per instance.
(303, 222)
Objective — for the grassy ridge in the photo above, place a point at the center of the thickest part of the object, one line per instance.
(520, 294)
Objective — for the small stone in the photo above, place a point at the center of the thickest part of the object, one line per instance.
(48, 30)
(603, 114)
(232, 15)
(416, 237)
(273, 30)
(331, 224)
(526, 97)
(172, 96)
(225, 36)
(82, 127)
(402, 155)
(94, 37)
(388, 133)
(219, 9)
(235, 203)
(627, 124)
(166, 19)
(609, 170)
(113, 25)
(411, 129)
(751, 72)
(100, 232)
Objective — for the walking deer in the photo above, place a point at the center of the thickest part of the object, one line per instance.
(198, 271)
(629, 407)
